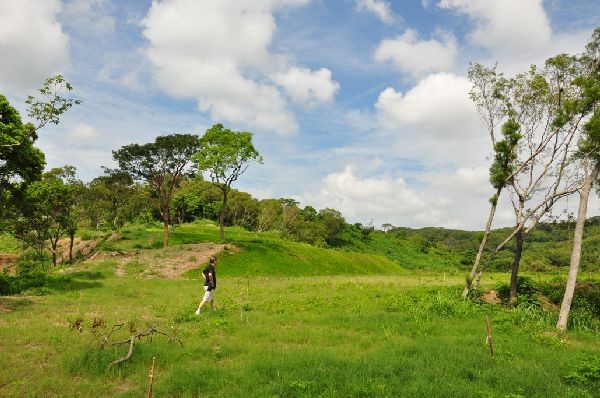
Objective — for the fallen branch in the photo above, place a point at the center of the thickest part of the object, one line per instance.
(131, 341)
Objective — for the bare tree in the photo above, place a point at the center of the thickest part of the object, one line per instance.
(535, 168)
(589, 152)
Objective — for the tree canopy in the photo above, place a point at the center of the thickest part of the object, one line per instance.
(225, 155)
(162, 164)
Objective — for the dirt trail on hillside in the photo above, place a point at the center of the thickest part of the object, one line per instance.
(171, 262)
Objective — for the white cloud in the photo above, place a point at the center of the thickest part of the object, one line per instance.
(83, 132)
(92, 16)
(372, 197)
(506, 26)
(452, 199)
(306, 86)
(417, 57)
(378, 7)
(32, 44)
(438, 105)
(218, 53)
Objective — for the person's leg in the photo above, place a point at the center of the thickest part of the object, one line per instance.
(212, 304)
(208, 296)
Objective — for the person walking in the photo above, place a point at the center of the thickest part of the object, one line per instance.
(210, 284)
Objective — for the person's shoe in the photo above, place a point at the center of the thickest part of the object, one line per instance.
(197, 311)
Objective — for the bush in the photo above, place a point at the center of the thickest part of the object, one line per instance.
(586, 371)
(16, 284)
(31, 262)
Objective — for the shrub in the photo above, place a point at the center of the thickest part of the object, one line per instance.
(31, 262)
(584, 372)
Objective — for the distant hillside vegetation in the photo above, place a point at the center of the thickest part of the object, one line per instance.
(547, 247)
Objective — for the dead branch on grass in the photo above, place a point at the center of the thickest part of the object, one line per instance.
(104, 339)
(131, 341)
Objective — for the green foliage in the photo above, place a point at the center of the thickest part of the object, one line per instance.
(9, 244)
(20, 162)
(586, 371)
(225, 153)
(162, 164)
(505, 154)
(53, 105)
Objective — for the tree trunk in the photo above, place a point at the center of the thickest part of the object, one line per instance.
(166, 226)
(486, 234)
(54, 243)
(72, 239)
(514, 272)
(222, 216)
(565, 307)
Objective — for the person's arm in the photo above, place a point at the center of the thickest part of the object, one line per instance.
(210, 280)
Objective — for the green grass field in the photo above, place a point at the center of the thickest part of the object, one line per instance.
(293, 321)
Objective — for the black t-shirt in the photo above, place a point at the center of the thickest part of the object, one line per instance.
(210, 269)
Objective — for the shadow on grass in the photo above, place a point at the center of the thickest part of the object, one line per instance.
(87, 275)
(42, 284)
(69, 283)
(9, 304)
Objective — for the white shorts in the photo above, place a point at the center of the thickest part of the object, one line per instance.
(208, 295)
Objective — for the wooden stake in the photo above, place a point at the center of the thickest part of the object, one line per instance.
(488, 339)
(151, 376)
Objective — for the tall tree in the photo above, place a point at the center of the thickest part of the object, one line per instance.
(589, 153)
(20, 161)
(162, 164)
(44, 215)
(225, 155)
(72, 200)
(486, 94)
(537, 170)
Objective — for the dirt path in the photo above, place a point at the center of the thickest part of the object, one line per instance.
(171, 262)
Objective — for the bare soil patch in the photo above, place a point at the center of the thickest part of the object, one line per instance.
(491, 297)
(8, 261)
(171, 262)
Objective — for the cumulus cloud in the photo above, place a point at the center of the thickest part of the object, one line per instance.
(378, 7)
(32, 43)
(438, 105)
(218, 53)
(418, 57)
(306, 86)
(376, 197)
(456, 198)
(498, 26)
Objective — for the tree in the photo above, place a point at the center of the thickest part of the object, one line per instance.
(333, 223)
(72, 201)
(20, 162)
(486, 94)
(242, 209)
(110, 194)
(226, 155)
(589, 155)
(162, 164)
(44, 215)
(269, 214)
(532, 162)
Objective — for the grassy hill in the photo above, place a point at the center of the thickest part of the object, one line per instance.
(259, 254)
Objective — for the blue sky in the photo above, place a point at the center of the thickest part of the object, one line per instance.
(358, 105)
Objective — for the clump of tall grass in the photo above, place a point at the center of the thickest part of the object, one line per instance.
(538, 305)
(442, 302)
